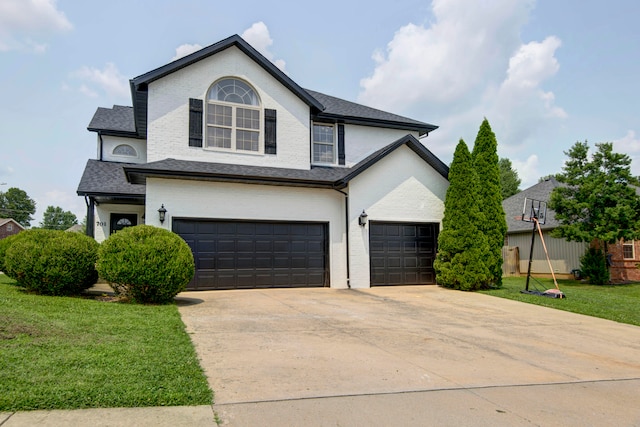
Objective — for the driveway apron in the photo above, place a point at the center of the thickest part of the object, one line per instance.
(389, 343)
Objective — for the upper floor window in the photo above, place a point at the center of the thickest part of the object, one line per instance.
(9, 227)
(628, 250)
(233, 116)
(125, 150)
(324, 149)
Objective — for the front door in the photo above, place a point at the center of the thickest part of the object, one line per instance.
(120, 221)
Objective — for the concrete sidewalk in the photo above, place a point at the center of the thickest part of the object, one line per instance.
(198, 416)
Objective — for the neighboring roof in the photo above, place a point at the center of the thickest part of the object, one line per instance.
(350, 112)
(114, 121)
(513, 206)
(76, 228)
(319, 177)
(4, 221)
(106, 181)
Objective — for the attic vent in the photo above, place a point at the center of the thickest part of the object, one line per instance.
(125, 150)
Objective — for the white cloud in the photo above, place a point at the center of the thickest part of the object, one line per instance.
(528, 170)
(630, 145)
(467, 64)
(186, 49)
(108, 80)
(21, 20)
(258, 36)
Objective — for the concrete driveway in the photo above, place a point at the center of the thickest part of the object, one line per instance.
(409, 356)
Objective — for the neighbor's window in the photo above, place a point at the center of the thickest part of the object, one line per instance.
(323, 144)
(233, 116)
(125, 150)
(9, 227)
(628, 250)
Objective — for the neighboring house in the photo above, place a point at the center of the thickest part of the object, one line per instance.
(271, 185)
(564, 255)
(9, 227)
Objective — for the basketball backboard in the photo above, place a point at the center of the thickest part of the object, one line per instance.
(534, 209)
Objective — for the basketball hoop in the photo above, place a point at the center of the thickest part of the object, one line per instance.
(534, 209)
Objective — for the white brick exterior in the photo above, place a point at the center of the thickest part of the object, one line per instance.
(111, 142)
(168, 113)
(360, 141)
(103, 217)
(193, 199)
(399, 188)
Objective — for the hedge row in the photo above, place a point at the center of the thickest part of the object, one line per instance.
(145, 264)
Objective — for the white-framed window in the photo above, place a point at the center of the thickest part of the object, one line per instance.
(324, 143)
(125, 150)
(233, 117)
(9, 227)
(628, 250)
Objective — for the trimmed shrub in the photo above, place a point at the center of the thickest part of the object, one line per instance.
(462, 247)
(145, 263)
(593, 266)
(4, 245)
(52, 262)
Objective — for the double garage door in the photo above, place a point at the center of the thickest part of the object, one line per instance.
(256, 254)
(261, 254)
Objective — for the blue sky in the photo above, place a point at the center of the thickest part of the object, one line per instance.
(544, 73)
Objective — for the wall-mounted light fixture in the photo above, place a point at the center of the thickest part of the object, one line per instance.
(161, 213)
(362, 219)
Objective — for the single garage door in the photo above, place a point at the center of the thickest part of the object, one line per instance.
(402, 253)
(243, 255)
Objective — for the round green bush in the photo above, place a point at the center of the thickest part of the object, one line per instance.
(4, 245)
(52, 262)
(145, 263)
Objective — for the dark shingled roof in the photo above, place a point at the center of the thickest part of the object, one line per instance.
(350, 112)
(513, 206)
(117, 121)
(107, 179)
(319, 177)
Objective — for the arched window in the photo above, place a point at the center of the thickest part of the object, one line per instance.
(125, 150)
(233, 116)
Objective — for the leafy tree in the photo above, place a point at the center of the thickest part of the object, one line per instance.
(16, 204)
(485, 163)
(598, 202)
(509, 180)
(462, 247)
(55, 218)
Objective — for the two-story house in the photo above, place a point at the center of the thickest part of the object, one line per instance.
(271, 185)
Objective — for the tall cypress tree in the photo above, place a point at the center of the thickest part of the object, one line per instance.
(486, 165)
(462, 247)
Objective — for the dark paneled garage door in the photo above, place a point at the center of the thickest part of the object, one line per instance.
(240, 254)
(402, 253)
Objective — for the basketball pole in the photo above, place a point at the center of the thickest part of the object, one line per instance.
(533, 239)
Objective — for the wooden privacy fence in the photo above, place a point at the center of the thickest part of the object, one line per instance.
(511, 261)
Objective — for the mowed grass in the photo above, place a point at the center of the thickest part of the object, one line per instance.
(67, 353)
(620, 303)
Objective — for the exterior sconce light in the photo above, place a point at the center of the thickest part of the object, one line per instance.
(161, 213)
(362, 219)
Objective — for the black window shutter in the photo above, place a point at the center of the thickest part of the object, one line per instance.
(341, 157)
(269, 131)
(195, 122)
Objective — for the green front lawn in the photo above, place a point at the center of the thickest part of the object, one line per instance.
(63, 353)
(620, 303)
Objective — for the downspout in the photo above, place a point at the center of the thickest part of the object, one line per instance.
(346, 224)
(100, 144)
(90, 230)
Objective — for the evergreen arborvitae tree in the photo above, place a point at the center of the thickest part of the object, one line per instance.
(462, 247)
(485, 163)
